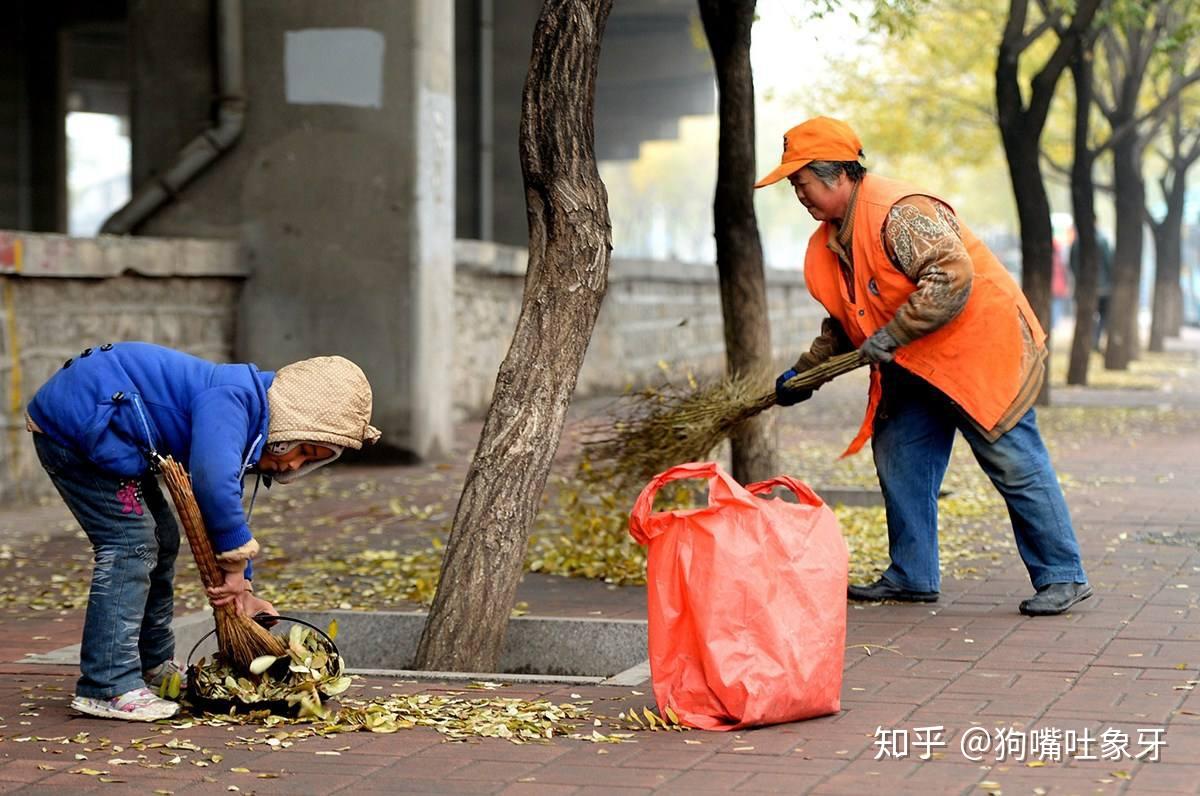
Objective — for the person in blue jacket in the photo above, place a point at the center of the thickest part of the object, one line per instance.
(99, 425)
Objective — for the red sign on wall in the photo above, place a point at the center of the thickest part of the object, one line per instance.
(10, 252)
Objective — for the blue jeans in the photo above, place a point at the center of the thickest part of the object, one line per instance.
(135, 540)
(914, 434)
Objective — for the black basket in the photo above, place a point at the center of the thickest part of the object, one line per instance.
(226, 706)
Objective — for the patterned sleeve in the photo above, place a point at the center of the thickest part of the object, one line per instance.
(831, 341)
(921, 236)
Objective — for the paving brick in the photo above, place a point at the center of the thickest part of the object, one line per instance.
(617, 777)
(28, 771)
(493, 771)
(680, 759)
(910, 690)
(704, 782)
(776, 783)
(797, 765)
(538, 789)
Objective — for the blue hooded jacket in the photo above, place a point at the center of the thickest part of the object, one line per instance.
(114, 404)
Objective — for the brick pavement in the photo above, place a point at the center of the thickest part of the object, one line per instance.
(1125, 662)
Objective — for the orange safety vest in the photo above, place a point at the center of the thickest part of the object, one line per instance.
(975, 359)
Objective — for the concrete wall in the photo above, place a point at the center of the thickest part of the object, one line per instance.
(59, 295)
(340, 190)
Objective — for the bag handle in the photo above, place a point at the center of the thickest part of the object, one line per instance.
(800, 489)
(721, 489)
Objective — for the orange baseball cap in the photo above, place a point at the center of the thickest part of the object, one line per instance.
(819, 138)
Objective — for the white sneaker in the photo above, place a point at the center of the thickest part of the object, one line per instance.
(140, 704)
(168, 679)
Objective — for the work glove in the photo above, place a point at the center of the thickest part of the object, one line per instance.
(785, 396)
(879, 347)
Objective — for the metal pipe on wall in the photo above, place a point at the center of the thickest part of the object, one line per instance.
(486, 180)
(205, 148)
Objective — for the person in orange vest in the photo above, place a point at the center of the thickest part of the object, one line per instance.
(954, 347)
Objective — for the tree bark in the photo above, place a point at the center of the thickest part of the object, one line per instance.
(1129, 191)
(1083, 207)
(569, 251)
(1168, 254)
(1021, 127)
(1167, 319)
(1033, 217)
(727, 25)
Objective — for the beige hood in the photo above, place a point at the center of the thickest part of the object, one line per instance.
(323, 399)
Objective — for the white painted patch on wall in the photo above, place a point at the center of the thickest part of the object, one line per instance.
(334, 66)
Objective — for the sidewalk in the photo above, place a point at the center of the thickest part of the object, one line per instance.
(1123, 670)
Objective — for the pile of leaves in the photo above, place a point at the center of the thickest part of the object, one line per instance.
(456, 717)
(516, 720)
(356, 577)
(311, 669)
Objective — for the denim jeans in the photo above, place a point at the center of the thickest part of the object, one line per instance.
(914, 434)
(135, 540)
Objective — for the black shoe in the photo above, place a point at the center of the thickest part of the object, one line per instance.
(884, 589)
(1054, 598)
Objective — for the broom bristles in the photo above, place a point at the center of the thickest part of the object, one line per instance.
(239, 638)
(669, 428)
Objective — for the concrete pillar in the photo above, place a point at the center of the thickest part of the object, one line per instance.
(45, 111)
(513, 47)
(432, 219)
(341, 193)
(14, 191)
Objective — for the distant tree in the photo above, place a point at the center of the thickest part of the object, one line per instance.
(1181, 150)
(727, 25)
(1083, 205)
(1140, 30)
(569, 252)
(925, 104)
(1022, 122)
(925, 95)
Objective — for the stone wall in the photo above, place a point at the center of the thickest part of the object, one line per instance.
(59, 295)
(655, 314)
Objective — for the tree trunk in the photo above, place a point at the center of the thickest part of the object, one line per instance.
(1083, 206)
(569, 252)
(1033, 215)
(1021, 127)
(1037, 234)
(739, 250)
(1129, 190)
(1168, 253)
(1168, 236)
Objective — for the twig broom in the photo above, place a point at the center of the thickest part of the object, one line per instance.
(239, 638)
(669, 428)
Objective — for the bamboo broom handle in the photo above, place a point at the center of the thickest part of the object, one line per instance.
(829, 369)
(239, 638)
(180, 486)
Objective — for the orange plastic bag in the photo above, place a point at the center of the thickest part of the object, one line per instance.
(747, 602)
